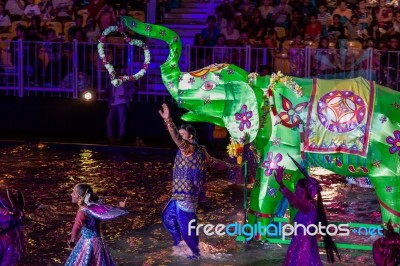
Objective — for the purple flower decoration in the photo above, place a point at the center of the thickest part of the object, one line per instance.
(170, 84)
(389, 188)
(133, 24)
(162, 32)
(148, 28)
(383, 119)
(191, 81)
(271, 163)
(271, 192)
(230, 71)
(244, 117)
(395, 142)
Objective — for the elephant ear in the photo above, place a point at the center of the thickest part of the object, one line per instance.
(241, 112)
(193, 117)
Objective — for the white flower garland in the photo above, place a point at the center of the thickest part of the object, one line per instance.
(117, 81)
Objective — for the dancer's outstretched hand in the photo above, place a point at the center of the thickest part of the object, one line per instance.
(164, 112)
(279, 174)
(122, 204)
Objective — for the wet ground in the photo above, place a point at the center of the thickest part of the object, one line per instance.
(47, 175)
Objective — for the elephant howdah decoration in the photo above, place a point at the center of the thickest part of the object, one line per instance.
(351, 127)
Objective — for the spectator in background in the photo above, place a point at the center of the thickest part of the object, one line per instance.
(20, 32)
(281, 14)
(122, 11)
(343, 12)
(63, 10)
(364, 14)
(31, 9)
(106, 16)
(256, 25)
(244, 38)
(297, 57)
(336, 30)
(389, 33)
(313, 29)
(305, 10)
(220, 52)
(92, 31)
(390, 64)
(227, 10)
(5, 21)
(199, 54)
(296, 25)
(210, 34)
(364, 59)
(231, 34)
(266, 10)
(269, 42)
(354, 30)
(247, 9)
(94, 7)
(374, 32)
(52, 45)
(383, 13)
(46, 10)
(35, 28)
(15, 9)
(396, 21)
(324, 17)
(78, 25)
(324, 58)
(220, 21)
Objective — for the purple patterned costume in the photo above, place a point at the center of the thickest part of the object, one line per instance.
(91, 249)
(188, 184)
(303, 248)
(12, 240)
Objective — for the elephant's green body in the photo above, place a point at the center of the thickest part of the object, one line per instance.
(219, 93)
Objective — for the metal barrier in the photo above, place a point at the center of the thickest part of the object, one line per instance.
(67, 69)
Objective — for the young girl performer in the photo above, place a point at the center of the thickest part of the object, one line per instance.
(89, 247)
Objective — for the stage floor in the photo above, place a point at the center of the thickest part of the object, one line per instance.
(47, 173)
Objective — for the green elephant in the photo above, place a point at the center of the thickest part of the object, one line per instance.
(360, 130)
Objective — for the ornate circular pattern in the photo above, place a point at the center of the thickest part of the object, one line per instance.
(341, 111)
(117, 81)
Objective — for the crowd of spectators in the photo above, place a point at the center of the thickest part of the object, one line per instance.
(320, 24)
(47, 29)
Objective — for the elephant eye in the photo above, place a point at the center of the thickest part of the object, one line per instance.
(208, 85)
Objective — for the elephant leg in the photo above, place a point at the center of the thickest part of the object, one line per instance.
(264, 200)
(388, 192)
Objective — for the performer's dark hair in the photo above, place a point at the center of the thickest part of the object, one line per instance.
(330, 246)
(84, 189)
(190, 129)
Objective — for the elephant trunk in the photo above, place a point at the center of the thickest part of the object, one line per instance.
(169, 70)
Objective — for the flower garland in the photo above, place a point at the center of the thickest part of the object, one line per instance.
(269, 103)
(117, 81)
(287, 81)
